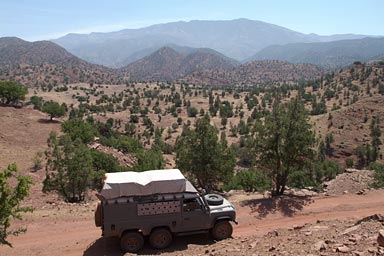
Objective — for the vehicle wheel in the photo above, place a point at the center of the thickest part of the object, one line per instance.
(131, 242)
(160, 238)
(213, 199)
(222, 230)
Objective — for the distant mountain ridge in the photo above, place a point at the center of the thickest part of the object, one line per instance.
(44, 63)
(328, 55)
(14, 51)
(47, 65)
(238, 39)
(167, 64)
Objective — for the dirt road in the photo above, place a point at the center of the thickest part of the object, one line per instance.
(69, 229)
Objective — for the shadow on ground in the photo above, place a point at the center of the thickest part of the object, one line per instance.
(48, 121)
(111, 246)
(286, 205)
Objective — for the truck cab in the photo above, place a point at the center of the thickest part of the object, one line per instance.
(163, 206)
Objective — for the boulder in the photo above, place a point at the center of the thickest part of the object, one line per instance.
(320, 246)
(343, 249)
(380, 238)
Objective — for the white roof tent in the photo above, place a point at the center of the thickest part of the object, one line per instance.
(123, 184)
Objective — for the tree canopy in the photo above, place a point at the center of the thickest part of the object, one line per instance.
(10, 199)
(11, 93)
(69, 167)
(283, 142)
(53, 109)
(200, 153)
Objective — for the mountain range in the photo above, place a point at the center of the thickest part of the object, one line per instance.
(238, 39)
(47, 64)
(329, 55)
(195, 51)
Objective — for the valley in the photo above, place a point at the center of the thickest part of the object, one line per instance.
(139, 99)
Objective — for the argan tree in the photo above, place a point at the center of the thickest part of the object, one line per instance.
(284, 142)
(11, 93)
(10, 199)
(200, 153)
(69, 168)
(53, 109)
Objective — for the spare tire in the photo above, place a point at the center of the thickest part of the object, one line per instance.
(214, 199)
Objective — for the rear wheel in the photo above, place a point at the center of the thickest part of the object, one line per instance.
(222, 230)
(132, 242)
(160, 238)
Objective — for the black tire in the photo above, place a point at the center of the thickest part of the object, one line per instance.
(214, 199)
(160, 238)
(132, 242)
(222, 230)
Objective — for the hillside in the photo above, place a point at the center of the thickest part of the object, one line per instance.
(330, 55)
(238, 39)
(15, 51)
(298, 223)
(268, 71)
(167, 64)
(354, 97)
(46, 64)
(348, 100)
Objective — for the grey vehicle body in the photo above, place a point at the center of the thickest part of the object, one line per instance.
(181, 213)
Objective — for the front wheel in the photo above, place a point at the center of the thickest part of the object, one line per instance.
(222, 230)
(132, 242)
(160, 238)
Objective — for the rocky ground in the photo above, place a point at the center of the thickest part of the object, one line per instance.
(351, 181)
(335, 237)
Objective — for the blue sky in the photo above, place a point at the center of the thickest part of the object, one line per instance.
(47, 19)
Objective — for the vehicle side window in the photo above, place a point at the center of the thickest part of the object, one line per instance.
(191, 204)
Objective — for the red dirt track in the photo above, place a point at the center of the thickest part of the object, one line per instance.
(69, 229)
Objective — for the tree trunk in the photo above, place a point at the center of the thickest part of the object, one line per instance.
(276, 190)
(282, 188)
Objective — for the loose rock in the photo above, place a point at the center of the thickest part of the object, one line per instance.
(380, 238)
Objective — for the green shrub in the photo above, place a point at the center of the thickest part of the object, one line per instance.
(349, 162)
(378, 175)
(300, 179)
(249, 180)
(326, 170)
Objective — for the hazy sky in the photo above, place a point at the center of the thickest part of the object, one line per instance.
(47, 19)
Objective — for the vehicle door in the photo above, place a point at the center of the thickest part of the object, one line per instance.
(194, 215)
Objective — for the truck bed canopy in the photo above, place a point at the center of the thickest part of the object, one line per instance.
(122, 184)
